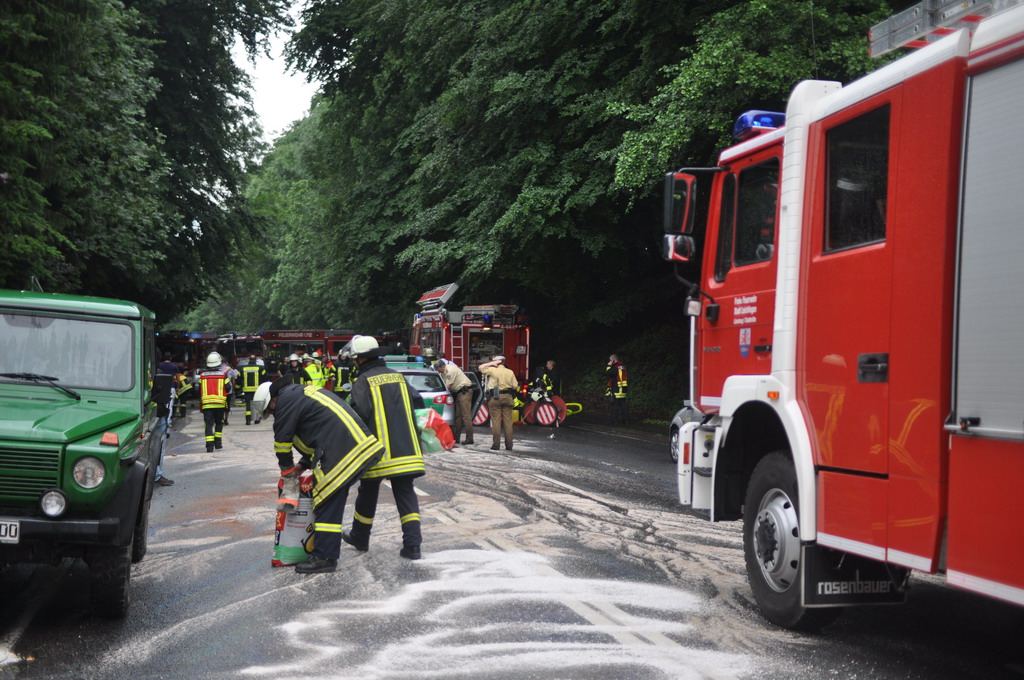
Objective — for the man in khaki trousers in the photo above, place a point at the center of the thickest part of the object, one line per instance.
(462, 391)
(501, 389)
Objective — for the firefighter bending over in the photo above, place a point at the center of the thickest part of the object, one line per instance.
(333, 441)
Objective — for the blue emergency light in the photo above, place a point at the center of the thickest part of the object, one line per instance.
(753, 123)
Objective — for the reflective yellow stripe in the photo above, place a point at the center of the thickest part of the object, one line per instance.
(407, 404)
(350, 423)
(363, 520)
(343, 472)
(395, 469)
(282, 447)
(303, 447)
(380, 418)
(411, 517)
(329, 528)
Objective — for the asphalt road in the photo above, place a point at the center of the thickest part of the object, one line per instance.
(565, 558)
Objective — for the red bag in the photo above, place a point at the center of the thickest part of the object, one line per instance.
(441, 430)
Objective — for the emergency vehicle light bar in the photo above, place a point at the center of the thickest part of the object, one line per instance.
(753, 123)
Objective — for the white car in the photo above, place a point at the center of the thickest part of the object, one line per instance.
(687, 414)
(431, 387)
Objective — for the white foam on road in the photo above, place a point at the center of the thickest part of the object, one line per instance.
(617, 626)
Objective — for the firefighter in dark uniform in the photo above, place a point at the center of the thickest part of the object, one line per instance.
(344, 373)
(385, 401)
(250, 375)
(333, 441)
(213, 400)
(184, 392)
(615, 392)
(293, 369)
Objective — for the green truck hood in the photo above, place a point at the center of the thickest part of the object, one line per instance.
(59, 422)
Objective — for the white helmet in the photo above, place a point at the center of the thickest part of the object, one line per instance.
(365, 346)
(293, 357)
(261, 399)
(214, 360)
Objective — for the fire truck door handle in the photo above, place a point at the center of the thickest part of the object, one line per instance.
(873, 368)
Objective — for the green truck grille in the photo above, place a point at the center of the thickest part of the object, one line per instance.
(26, 474)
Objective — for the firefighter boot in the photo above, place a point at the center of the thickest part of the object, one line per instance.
(410, 552)
(316, 565)
(361, 546)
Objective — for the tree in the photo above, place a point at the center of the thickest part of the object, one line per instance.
(203, 113)
(77, 154)
(748, 56)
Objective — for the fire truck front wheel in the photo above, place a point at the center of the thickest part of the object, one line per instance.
(771, 545)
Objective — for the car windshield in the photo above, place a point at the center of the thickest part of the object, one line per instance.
(424, 381)
(78, 353)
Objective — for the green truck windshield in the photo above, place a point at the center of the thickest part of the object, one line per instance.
(78, 353)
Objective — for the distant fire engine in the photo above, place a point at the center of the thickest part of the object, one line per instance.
(473, 335)
(857, 377)
(185, 347)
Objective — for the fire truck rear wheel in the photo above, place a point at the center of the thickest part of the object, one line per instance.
(771, 546)
(673, 445)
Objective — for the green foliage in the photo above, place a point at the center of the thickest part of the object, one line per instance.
(125, 138)
(748, 56)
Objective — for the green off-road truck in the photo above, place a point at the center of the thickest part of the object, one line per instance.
(80, 435)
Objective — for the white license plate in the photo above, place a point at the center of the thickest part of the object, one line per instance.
(10, 530)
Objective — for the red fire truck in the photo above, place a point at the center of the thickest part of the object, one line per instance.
(280, 344)
(857, 378)
(473, 335)
(235, 347)
(186, 348)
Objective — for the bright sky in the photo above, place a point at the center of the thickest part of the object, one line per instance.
(279, 98)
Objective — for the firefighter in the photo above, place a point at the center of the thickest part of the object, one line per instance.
(615, 393)
(333, 441)
(292, 370)
(462, 390)
(502, 388)
(249, 378)
(183, 392)
(429, 357)
(385, 401)
(548, 381)
(311, 373)
(213, 400)
(344, 375)
(232, 376)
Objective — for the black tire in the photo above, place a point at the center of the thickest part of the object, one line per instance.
(771, 546)
(111, 569)
(673, 445)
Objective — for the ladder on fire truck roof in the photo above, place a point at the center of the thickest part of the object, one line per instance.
(929, 20)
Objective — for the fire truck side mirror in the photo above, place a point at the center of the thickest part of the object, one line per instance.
(680, 199)
(678, 248)
(693, 307)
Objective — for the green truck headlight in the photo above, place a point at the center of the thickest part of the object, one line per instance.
(89, 472)
(53, 503)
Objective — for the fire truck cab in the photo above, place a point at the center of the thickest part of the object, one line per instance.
(473, 335)
(857, 382)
